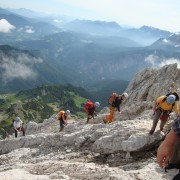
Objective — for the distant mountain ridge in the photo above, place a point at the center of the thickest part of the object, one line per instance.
(93, 27)
(157, 32)
(144, 35)
(172, 42)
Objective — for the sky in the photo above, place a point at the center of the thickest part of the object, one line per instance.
(162, 14)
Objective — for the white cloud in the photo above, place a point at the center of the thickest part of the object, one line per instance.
(158, 62)
(152, 59)
(5, 26)
(30, 31)
(165, 40)
(58, 21)
(20, 67)
(170, 61)
(26, 29)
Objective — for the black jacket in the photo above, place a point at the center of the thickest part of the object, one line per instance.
(116, 103)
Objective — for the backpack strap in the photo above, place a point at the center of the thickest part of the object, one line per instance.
(164, 99)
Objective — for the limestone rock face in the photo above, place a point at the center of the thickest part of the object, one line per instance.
(103, 138)
(147, 85)
(119, 150)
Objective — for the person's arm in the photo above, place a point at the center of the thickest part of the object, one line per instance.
(21, 123)
(176, 109)
(165, 149)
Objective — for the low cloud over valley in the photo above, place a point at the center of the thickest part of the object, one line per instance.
(20, 67)
(158, 62)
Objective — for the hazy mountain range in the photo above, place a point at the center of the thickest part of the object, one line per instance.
(41, 49)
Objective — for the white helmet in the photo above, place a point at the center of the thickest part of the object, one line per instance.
(125, 95)
(68, 112)
(17, 119)
(97, 104)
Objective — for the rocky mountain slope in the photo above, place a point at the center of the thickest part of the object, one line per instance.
(171, 42)
(148, 84)
(120, 150)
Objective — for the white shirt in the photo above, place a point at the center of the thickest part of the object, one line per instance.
(17, 124)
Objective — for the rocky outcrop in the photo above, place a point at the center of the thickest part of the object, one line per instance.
(147, 85)
(127, 136)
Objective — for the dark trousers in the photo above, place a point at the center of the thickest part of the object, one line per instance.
(90, 116)
(19, 129)
(61, 125)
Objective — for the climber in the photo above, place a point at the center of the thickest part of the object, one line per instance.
(115, 101)
(166, 152)
(62, 117)
(163, 106)
(90, 108)
(18, 126)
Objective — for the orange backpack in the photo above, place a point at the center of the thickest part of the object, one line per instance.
(112, 98)
(61, 113)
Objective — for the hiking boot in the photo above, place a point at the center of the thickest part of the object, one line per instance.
(151, 132)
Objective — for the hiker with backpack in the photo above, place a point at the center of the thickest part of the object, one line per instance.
(62, 117)
(90, 108)
(163, 106)
(167, 152)
(18, 126)
(115, 101)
